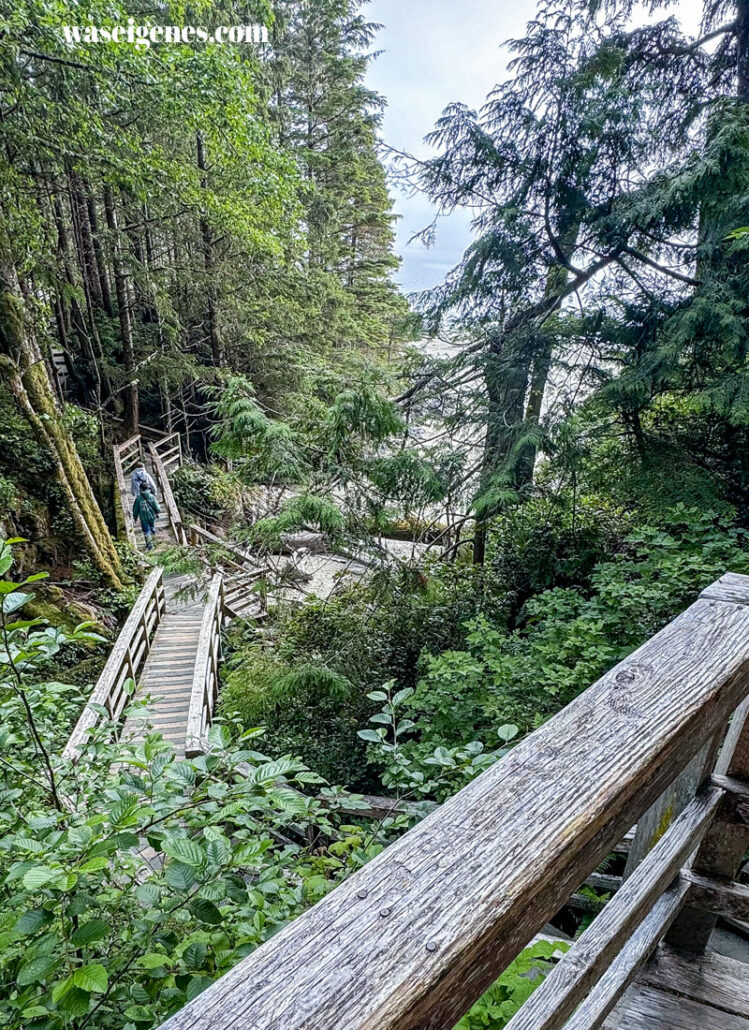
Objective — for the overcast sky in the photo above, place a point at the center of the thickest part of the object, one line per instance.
(435, 52)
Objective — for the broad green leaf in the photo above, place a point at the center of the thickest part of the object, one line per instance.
(180, 876)
(196, 986)
(148, 894)
(184, 850)
(92, 978)
(95, 864)
(40, 968)
(31, 921)
(91, 931)
(194, 955)
(373, 736)
(152, 960)
(12, 602)
(38, 877)
(206, 911)
(139, 1014)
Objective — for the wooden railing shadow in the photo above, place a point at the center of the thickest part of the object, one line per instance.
(414, 938)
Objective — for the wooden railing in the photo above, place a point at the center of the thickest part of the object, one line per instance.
(172, 511)
(205, 676)
(239, 568)
(410, 941)
(125, 660)
(169, 450)
(126, 457)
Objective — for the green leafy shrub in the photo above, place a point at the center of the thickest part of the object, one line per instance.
(567, 638)
(498, 1005)
(206, 491)
(307, 710)
(90, 933)
(303, 511)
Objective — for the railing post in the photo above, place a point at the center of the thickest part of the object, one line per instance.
(654, 823)
(724, 845)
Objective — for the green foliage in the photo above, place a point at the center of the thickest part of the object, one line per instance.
(267, 447)
(496, 1008)
(89, 930)
(306, 709)
(207, 491)
(302, 511)
(567, 637)
(408, 776)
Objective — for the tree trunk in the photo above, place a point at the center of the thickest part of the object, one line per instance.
(506, 376)
(742, 51)
(101, 265)
(211, 316)
(132, 404)
(22, 367)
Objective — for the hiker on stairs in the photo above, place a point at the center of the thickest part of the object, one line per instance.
(146, 508)
(139, 476)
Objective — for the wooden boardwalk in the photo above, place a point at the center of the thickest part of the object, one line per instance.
(167, 676)
(677, 991)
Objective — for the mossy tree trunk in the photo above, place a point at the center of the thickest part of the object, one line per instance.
(23, 368)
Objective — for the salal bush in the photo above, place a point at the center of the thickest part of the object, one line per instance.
(134, 878)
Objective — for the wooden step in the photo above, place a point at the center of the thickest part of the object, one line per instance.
(676, 991)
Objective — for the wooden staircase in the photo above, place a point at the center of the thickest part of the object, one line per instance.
(169, 648)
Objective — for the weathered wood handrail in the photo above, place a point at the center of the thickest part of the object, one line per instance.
(172, 511)
(169, 450)
(125, 456)
(410, 941)
(125, 659)
(205, 675)
(241, 558)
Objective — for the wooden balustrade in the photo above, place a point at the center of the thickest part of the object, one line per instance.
(206, 674)
(172, 511)
(126, 456)
(125, 660)
(169, 450)
(414, 938)
(239, 567)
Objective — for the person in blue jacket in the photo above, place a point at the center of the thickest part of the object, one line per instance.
(146, 508)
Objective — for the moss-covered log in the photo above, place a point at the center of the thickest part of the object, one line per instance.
(23, 368)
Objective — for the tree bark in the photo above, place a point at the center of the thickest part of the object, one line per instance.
(211, 315)
(24, 370)
(132, 403)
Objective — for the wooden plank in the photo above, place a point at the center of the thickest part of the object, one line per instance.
(729, 898)
(645, 1008)
(731, 588)
(711, 978)
(582, 967)
(654, 822)
(175, 519)
(210, 627)
(602, 999)
(429, 923)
